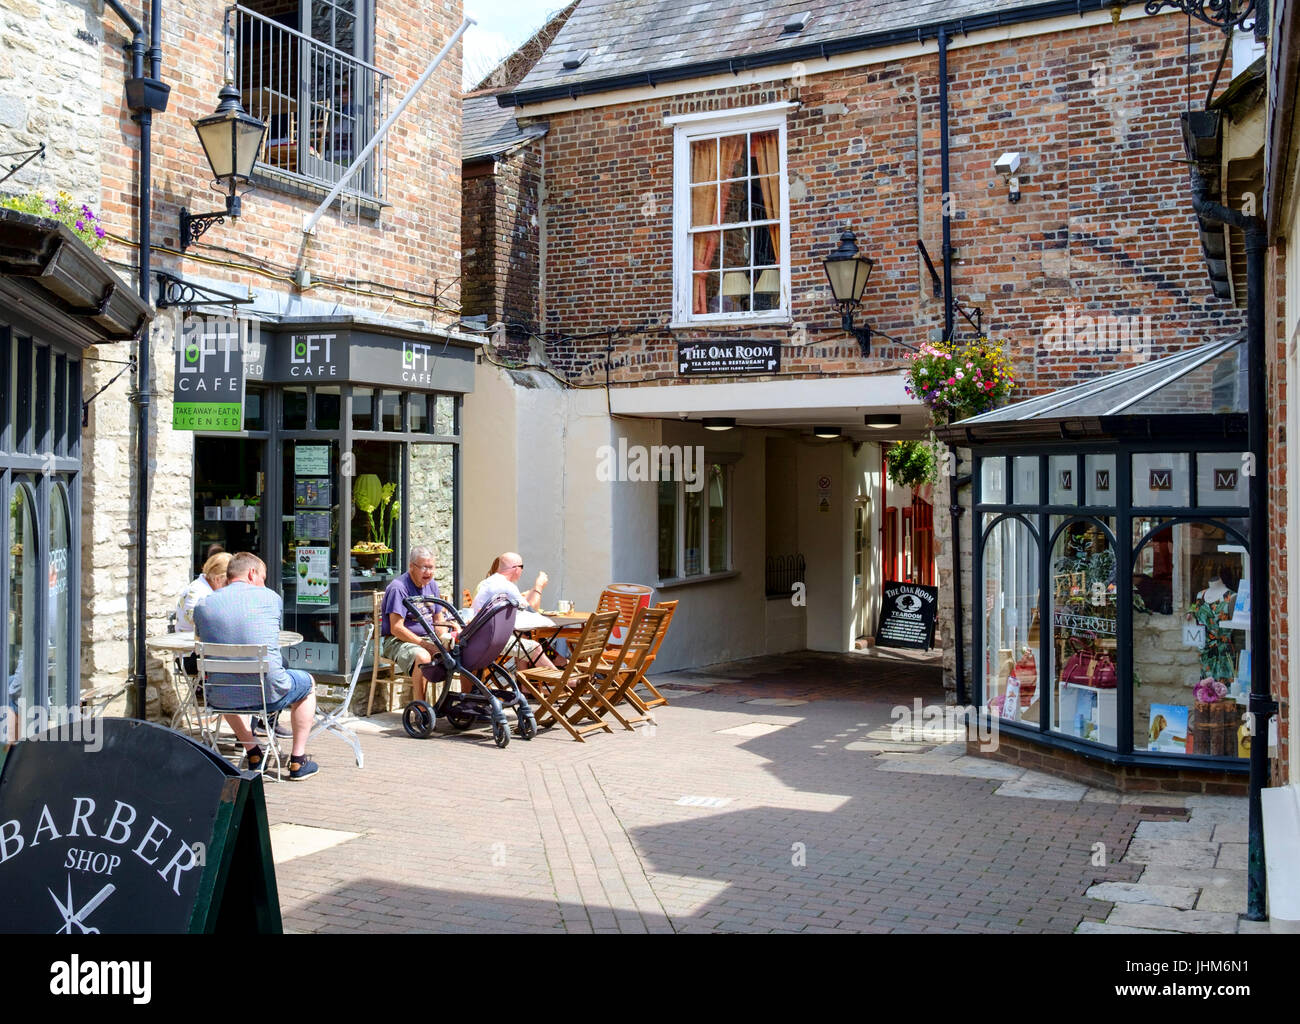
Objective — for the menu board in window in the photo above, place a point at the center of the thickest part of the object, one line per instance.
(311, 492)
(311, 525)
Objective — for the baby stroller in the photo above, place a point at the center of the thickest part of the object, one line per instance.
(475, 653)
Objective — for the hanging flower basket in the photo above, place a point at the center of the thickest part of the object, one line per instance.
(960, 379)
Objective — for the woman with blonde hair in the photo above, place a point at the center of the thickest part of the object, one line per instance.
(212, 579)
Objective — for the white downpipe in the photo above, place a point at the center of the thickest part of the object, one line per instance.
(309, 224)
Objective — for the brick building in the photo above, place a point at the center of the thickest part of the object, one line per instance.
(351, 368)
(816, 119)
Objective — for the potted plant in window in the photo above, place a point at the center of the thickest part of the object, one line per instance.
(367, 496)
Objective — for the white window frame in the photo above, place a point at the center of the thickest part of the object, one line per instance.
(679, 539)
(686, 131)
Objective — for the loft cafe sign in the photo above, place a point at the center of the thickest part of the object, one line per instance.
(323, 354)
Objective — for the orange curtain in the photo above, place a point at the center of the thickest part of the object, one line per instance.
(767, 155)
(704, 210)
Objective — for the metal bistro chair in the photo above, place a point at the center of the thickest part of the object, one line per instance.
(337, 721)
(235, 698)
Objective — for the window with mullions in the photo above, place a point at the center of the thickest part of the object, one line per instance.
(1085, 640)
(695, 525)
(1191, 644)
(1011, 620)
(732, 234)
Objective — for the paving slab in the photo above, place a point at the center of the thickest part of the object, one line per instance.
(1225, 899)
(876, 747)
(1178, 897)
(1100, 928)
(1138, 915)
(1233, 856)
(1199, 877)
(1035, 786)
(1175, 852)
(1231, 833)
(1175, 830)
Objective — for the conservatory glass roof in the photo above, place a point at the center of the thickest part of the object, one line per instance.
(1209, 379)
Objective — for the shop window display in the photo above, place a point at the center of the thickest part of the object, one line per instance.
(1084, 630)
(1011, 621)
(1191, 655)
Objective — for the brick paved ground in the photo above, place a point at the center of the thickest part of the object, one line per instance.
(793, 830)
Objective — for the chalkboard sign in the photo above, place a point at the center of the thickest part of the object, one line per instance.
(121, 826)
(907, 616)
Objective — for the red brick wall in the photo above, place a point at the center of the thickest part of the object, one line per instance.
(1104, 224)
(411, 251)
(500, 238)
(1279, 641)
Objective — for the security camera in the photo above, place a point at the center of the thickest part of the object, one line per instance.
(1007, 164)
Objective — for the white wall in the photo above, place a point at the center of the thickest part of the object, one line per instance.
(716, 620)
(529, 483)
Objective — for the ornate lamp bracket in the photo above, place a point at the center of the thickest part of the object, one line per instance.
(1225, 15)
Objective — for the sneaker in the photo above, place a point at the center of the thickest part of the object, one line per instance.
(255, 759)
(301, 767)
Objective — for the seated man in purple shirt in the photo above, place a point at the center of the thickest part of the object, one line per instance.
(404, 639)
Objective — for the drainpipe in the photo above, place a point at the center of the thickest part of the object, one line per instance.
(1262, 705)
(954, 508)
(144, 95)
(944, 205)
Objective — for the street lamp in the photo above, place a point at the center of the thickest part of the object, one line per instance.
(848, 273)
(231, 139)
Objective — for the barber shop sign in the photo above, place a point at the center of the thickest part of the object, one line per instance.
(99, 840)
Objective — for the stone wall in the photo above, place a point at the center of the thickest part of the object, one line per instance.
(50, 59)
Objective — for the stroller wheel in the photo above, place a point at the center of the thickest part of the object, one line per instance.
(527, 725)
(418, 720)
(500, 733)
(458, 719)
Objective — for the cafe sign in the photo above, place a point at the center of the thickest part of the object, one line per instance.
(208, 393)
(728, 357)
(348, 352)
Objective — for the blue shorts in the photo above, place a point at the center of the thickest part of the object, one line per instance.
(302, 685)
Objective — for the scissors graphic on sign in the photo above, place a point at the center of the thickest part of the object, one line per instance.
(69, 918)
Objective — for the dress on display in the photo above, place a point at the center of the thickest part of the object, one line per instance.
(1219, 655)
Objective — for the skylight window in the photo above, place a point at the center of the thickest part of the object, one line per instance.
(797, 23)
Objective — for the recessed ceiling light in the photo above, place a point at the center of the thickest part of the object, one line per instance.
(718, 422)
(827, 432)
(882, 420)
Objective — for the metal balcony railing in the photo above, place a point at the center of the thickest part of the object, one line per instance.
(321, 105)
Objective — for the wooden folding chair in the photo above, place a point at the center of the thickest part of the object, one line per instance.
(644, 704)
(614, 681)
(563, 694)
(625, 602)
(382, 670)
